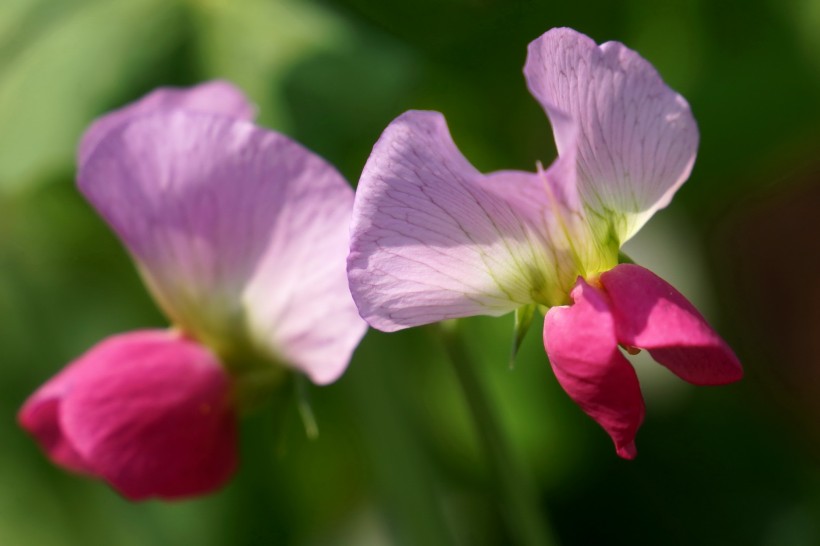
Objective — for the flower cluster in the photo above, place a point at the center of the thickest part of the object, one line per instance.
(241, 236)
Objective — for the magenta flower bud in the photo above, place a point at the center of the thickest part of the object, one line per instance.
(150, 412)
(634, 308)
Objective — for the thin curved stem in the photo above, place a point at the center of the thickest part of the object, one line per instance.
(528, 524)
(305, 407)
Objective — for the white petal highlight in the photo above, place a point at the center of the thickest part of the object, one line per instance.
(635, 139)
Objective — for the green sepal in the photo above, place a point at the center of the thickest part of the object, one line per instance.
(523, 320)
(253, 386)
(624, 259)
(305, 407)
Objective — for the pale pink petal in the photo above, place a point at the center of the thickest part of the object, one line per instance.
(215, 97)
(650, 314)
(582, 348)
(634, 141)
(148, 411)
(432, 238)
(298, 297)
(240, 233)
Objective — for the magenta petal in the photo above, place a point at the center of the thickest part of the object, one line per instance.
(650, 314)
(149, 412)
(582, 348)
(40, 416)
(216, 97)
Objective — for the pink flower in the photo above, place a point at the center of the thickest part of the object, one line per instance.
(434, 239)
(240, 234)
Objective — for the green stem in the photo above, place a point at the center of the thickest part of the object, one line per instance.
(405, 478)
(527, 523)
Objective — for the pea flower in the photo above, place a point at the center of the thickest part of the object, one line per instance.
(435, 239)
(240, 234)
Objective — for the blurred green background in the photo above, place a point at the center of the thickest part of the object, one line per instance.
(397, 461)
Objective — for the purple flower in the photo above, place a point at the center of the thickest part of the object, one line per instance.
(434, 239)
(240, 234)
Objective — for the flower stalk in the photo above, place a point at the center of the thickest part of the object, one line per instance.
(527, 523)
